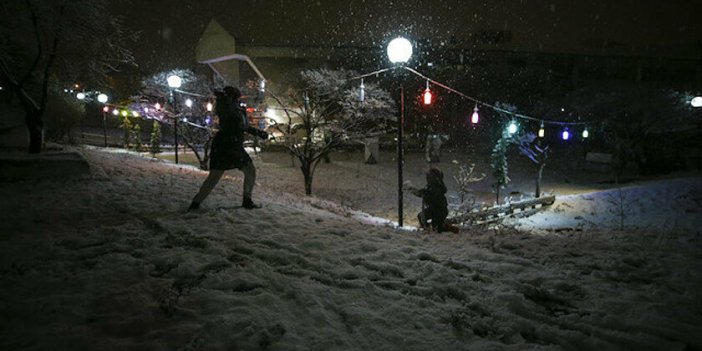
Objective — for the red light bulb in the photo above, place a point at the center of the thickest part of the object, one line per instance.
(427, 96)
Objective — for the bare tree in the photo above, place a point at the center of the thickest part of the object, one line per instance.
(499, 165)
(465, 177)
(55, 42)
(195, 123)
(323, 111)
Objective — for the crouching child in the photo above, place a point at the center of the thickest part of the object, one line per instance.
(434, 204)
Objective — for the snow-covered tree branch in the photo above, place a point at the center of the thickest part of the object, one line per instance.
(323, 111)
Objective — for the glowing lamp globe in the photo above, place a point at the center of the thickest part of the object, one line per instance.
(696, 101)
(475, 118)
(189, 103)
(565, 135)
(542, 132)
(174, 81)
(102, 98)
(512, 128)
(586, 134)
(399, 50)
(115, 112)
(209, 106)
(105, 109)
(80, 96)
(427, 96)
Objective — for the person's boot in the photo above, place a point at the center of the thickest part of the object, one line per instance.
(194, 206)
(249, 204)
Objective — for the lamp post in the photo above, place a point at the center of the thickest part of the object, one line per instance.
(399, 52)
(174, 83)
(81, 97)
(102, 98)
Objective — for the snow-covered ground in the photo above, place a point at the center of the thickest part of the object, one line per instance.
(111, 261)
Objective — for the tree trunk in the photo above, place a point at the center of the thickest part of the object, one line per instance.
(308, 180)
(497, 195)
(537, 194)
(307, 174)
(35, 127)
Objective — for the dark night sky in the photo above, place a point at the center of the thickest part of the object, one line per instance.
(171, 28)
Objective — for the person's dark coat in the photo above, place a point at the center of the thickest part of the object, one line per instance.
(434, 204)
(227, 151)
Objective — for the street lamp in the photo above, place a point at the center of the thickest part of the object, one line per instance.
(174, 83)
(102, 98)
(696, 101)
(81, 96)
(399, 52)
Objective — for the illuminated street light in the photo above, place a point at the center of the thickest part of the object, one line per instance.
(102, 98)
(174, 83)
(696, 101)
(399, 52)
(189, 103)
(80, 96)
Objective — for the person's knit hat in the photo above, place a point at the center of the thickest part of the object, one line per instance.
(232, 91)
(436, 173)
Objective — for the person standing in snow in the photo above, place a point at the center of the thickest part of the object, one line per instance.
(227, 150)
(434, 204)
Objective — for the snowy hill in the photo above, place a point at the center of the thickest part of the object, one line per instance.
(110, 260)
(671, 206)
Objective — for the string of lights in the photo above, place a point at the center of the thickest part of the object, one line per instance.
(475, 117)
(496, 108)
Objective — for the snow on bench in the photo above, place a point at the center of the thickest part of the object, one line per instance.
(514, 209)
